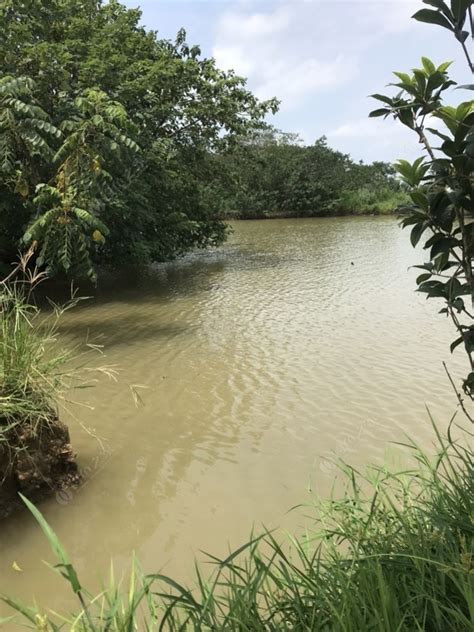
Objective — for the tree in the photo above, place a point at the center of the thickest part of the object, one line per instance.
(441, 181)
(275, 172)
(135, 114)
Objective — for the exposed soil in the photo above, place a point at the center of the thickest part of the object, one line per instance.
(35, 463)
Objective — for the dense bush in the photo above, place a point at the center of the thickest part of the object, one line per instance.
(394, 552)
(272, 173)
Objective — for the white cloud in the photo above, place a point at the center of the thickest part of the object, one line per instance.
(362, 128)
(256, 24)
(382, 139)
(294, 82)
(295, 49)
(233, 57)
(269, 50)
(322, 58)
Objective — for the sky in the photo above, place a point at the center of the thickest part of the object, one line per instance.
(320, 58)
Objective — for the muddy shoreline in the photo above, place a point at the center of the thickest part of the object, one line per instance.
(36, 463)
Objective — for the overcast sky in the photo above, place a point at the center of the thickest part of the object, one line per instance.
(321, 58)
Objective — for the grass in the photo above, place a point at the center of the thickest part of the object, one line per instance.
(365, 201)
(30, 372)
(394, 552)
(36, 369)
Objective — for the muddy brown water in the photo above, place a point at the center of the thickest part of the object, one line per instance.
(296, 341)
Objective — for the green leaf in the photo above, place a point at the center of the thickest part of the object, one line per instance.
(438, 133)
(416, 233)
(379, 112)
(412, 174)
(459, 9)
(68, 570)
(423, 277)
(439, 4)
(428, 65)
(406, 117)
(458, 304)
(468, 384)
(5, 620)
(425, 266)
(444, 66)
(464, 109)
(28, 613)
(456, 343)
(404, 78)
(420, 77)
(383, 98)
(420, 199)
(434, 289)
(432, 17)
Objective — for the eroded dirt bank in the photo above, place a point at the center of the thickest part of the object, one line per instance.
(36, 463)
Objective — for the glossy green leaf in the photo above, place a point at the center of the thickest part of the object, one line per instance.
(65, 567)
(416, 233)
(379, 112)
(439, 4)
(428, 65)
(423, 277)
(456, 343)
(420, 199)
(432, 17)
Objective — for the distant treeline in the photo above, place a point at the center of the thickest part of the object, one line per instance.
(272, 173)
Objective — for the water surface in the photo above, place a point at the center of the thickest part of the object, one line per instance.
(296, 341)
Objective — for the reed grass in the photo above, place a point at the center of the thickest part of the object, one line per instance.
(31, 363)
(362, 201)
(393, 552)
(37, 371)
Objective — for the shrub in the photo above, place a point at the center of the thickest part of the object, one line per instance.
(397, 556)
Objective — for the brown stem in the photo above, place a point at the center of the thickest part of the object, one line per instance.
(85, 609)
(424, 141)
(21, 265)
(460, 329)
(466, 53)
(458, 395)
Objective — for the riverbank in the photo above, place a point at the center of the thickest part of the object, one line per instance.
(351, 204)
(243, 215)
(36, 457)
(394, 552)
(36, 462)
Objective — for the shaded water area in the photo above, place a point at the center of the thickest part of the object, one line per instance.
(296, 341)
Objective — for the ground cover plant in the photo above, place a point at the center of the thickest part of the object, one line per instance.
(395, 551)
(37, 373)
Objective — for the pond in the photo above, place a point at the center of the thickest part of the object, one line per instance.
(297, 342)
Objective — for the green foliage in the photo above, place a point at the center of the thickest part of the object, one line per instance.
(25, 132)
(87, 164)
(451, 17)
(441, 183)
(272, 173)
(35, 370)
(30, 372)
(394, 552)
(116, 121)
